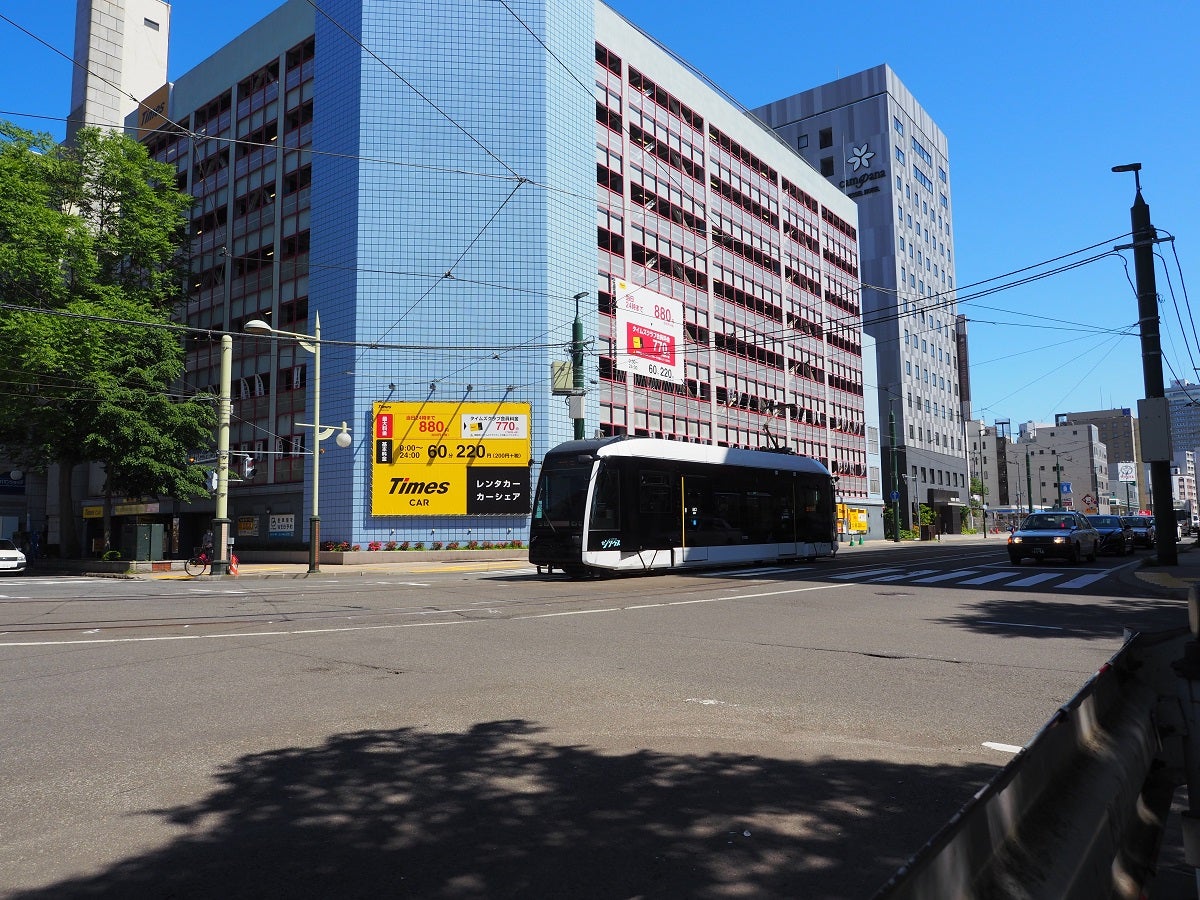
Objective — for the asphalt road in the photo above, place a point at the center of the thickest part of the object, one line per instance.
(793, 732)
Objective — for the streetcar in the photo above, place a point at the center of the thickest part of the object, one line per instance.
(625, 505)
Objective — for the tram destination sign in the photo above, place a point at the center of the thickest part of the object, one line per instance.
(450, 459)
(649, 332)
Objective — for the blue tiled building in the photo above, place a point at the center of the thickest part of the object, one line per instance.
(439, 183)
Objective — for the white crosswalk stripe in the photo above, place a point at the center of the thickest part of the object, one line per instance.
(1034, 579)
(851, 576)
(1000, 578)
(1082, 581)
(901, 575)
(946, 576)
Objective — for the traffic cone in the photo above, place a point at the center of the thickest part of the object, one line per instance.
(233, 563)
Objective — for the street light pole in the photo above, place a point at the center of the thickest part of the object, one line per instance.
(311, 343)
(1029, 481)
(895, 474)
(221, 522)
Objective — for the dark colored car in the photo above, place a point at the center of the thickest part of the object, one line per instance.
(1115, 536)
(1059, 533)
(1142, 528)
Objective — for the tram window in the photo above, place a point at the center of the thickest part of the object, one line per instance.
(758, 516)
(606, 506)
(561, 496)
(654, 492)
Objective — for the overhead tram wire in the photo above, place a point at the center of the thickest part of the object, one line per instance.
(833, 322)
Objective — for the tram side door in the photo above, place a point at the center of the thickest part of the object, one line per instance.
(697, 496)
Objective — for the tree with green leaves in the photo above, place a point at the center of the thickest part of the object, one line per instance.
(91, 267)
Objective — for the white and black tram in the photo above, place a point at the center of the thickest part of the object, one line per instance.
(626, 504)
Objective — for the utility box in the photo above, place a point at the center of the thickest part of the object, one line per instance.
(142, 542)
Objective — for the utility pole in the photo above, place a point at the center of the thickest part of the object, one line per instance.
(895, 474)
(1144, 239)
(1058, 481)
(577, 388)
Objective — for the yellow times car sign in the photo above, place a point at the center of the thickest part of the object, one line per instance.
(457, 459)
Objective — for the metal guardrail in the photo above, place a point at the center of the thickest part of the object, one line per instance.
(1079, 811)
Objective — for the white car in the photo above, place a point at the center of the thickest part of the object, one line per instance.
(11, 558)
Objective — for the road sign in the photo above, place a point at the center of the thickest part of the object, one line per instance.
(1066, 487)
(895, 495)
(1127, 471)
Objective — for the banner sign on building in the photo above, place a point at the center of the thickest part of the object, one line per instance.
(281, 525)
(649, 333)
(451, 459)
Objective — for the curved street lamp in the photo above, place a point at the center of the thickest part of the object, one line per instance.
(311, 343)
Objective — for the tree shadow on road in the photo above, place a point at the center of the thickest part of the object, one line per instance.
(1037, 615)
(498, 811)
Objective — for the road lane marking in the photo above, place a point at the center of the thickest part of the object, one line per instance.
(1003, 748)
(237, 634)
(1025, 625)
(584, 612)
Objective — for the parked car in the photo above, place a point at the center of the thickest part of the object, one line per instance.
(1058, 533)
(1115, 536)
(1143, 529)
(11, 558)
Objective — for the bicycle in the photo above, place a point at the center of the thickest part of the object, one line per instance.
(197, 564)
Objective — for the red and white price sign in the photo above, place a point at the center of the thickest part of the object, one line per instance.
(649, 333)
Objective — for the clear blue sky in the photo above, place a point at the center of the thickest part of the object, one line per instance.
(1038, 102)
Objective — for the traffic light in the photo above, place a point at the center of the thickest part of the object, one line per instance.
(249, 466)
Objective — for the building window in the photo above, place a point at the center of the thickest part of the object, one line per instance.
(150, 23)
(825, 138)
(898, 125)
(801, 141)
(827, 166)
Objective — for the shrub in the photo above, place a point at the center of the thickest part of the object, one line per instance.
(472, 545)
(419, 545)
(436, 545)
(404, 546)
(356, 548)
(453, 545)
(328, 545)
(391, 545)
(487, 545)
(374, 545)
(342, 547)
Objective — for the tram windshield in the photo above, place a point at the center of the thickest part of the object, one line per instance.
(561, 496)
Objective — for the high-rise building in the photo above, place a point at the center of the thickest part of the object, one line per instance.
(1119, 431)
(120, 54)
(870, 137)
(1184, 400)
(448, 187)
